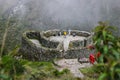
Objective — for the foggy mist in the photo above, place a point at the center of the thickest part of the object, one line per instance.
(66, 14)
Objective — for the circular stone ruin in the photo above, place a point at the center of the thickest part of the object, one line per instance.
(51, 44)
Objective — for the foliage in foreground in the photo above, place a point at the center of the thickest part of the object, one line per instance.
(19, 69)
(91, 73)
(109, 46)
(10, 67)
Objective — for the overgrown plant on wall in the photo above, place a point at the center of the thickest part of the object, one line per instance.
(108, 45)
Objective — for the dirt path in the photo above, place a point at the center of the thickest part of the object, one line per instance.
(73, 65)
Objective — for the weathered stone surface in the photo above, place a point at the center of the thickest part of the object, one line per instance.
(32, 52)
(48, 50)
(77, 43)
(47, 43)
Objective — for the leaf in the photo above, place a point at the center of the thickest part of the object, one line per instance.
(104, 34)
(3, 76)
(103, 76)
(100, 65)
(118, 44)
(117, 70)
(112, 72)
(113, 28)
(101, 58)
(105, 49)
(97, 29)
(111, 37)
(116, 54)
(95, 38)
(98, 41)
(118, 50)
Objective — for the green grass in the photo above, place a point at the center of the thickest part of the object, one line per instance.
(91, 73)
(44, 71)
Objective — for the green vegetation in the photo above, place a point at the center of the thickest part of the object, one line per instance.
(91, 73)
(14, 69)
(109, 47)
(10, 33)
(10, 67)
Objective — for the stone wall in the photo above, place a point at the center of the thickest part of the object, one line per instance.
(31, 52)
(78, 53)
(77, 43)
(44, 41)
(49, 33)
(80, 44)
(32, 35)
(48, 50)
(80, 33)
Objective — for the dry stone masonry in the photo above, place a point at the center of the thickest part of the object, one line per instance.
(39, 46)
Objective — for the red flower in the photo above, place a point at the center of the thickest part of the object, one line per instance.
(98, 54)
(92, 58)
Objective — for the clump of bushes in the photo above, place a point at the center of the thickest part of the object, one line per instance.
(59, 73)
(108, 45)
(10, 68)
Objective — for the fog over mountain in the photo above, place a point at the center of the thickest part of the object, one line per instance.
(74, 14)
(66, 14)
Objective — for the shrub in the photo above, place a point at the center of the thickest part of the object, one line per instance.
(11, 67)
(108, 45)
(59, 73)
